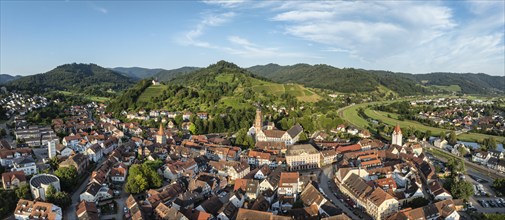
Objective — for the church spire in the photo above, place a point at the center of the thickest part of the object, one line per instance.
(397, 129)
(161, 131)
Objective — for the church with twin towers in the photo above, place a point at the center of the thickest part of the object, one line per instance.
(267, 132)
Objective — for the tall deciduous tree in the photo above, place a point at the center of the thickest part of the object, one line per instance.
(23, 192)
(68, 177)
(452, 138)
(461, 189)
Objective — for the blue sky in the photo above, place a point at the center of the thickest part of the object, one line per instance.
(415, 37)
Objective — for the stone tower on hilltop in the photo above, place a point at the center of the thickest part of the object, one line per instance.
(258, 122)
(161, 138)
(397, 136)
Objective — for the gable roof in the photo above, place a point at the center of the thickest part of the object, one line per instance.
(357, 185)
(288, 178)
(310, 195)
(87, 210)
(378, 196)
(295, 130)
(274, 133)
(9, 176)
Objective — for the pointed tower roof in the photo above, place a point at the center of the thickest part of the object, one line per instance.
(397, 129)
(161, 131)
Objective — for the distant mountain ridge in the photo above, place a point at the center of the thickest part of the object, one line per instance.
(137, 72)
(4, 78)
(79, 78)
(167, 75)
(359, 80)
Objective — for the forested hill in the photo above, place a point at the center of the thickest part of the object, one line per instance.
(468, 82)
(359, 80)
(78, 78)
(137, 72)
(216, 88)
(4, 78)
(166, 75)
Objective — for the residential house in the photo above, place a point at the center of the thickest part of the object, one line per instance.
(95, 192)
(248, 214)
(64, 151)
(163, 212)
(438, 191)
(440, 143)
(109, 145)
(25, 164)
(71, 141)
(118, 173)
(381, 204)
(445, 209)
(258, 158)
(79, 161)
(481, 157)
(289, 184)
(94, 152)
(11, 180)
(8, 156)
(328, 157)
(87, 211)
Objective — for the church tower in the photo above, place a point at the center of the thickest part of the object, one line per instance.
(161, 138)
(397, 136)
(258, 122)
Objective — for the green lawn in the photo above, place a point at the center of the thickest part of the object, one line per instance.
(89, 97)
(451, 88)
(233, 102)
(476, 137)
(151, 91)
(382, 116)
(350, 114)
(227, 78)
(301, 93)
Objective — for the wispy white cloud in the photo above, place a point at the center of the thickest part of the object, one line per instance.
(234, 44)
(408, 36)
(98, 8)
(245, 48)
(209, 20)
(399, 35)
(225, 3)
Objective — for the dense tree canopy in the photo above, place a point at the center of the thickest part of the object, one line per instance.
(142, 177)
(499, 185)
(68, 177)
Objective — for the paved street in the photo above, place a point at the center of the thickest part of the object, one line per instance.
(121, 204)
(69, 213)
(328, 189)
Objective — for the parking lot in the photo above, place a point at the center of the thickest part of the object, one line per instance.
(484, 199)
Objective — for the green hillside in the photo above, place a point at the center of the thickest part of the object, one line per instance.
(350, 80)
(89, 79)
(222, 85)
